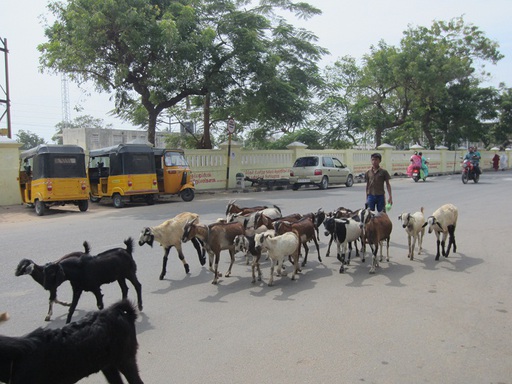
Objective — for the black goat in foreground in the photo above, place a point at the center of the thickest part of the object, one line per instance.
(89, 273)
(28, 267)
(102, 341)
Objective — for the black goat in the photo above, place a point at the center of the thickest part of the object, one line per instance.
(28, 267)
(102, 341)
(89, 273)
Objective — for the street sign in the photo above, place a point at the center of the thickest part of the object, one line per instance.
(231, 125)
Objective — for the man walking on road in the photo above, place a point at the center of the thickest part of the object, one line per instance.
(375, 179)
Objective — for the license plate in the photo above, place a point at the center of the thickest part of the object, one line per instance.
(303, 180)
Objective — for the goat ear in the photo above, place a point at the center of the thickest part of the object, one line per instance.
(424, 225)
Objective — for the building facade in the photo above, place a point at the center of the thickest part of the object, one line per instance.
(95, 138)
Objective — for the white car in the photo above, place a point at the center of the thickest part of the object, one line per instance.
(321, 171)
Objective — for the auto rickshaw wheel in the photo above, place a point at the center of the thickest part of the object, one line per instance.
(83, 205)
(117, 199)
(187, 194)
(39, 207)
(94, 199)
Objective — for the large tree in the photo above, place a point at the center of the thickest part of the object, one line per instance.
(418, 89)
(155, 53)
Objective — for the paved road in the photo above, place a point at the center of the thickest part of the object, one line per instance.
(412, 322)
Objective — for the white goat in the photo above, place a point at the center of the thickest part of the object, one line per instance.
(444, 220)
(169, 234)
(279, 248)
(413, 224)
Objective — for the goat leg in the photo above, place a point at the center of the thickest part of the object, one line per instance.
(201, 252)
(181, 256)
(164, 264)
(76, 296)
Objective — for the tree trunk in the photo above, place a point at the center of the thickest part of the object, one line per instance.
(206, 142)
(378, 136)
(153, 115)
(425, 125)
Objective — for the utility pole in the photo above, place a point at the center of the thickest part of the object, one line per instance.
(64, 89)
(7, 100)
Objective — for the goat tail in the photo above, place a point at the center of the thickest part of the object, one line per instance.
(421, 209)
(129, 245)
(276, 207)
(87, 247)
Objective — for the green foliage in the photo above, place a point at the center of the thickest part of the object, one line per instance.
(426, 90)
(153, 54)
(28, 139)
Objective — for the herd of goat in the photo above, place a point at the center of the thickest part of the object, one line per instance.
(253, 231)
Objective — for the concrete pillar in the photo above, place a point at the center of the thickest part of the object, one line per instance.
(9, 171)
(235, 161)
(298, 148)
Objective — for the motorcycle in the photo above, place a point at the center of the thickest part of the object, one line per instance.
(469, 172)
(416, 174)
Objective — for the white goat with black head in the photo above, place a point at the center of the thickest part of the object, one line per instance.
(413, 225)
(444, 221)
(169, 234)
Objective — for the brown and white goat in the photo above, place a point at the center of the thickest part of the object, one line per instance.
(216, 237)
(306, 230)
(169, 234)
(376, 228)
(413, 225)
(444, 220)
(233, 208)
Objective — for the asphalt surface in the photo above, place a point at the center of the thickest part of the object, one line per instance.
(420, 321)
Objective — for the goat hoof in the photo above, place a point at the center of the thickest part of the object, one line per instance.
(140, 307)
(372, 272)
(47, 318)
(187, 268)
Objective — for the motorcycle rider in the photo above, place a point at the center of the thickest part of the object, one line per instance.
(424, 167)
(474, 157)
(415, 163)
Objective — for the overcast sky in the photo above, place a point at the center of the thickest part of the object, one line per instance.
(345, 28)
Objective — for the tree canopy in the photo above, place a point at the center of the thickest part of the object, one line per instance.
(240, 55)
(427, 89)
(28, 139)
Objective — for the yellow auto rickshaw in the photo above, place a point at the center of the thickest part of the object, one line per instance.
(53, 175)
(173, 173)
(123, 172)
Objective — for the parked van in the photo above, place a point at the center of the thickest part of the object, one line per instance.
(124, 173)
(53, 175)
